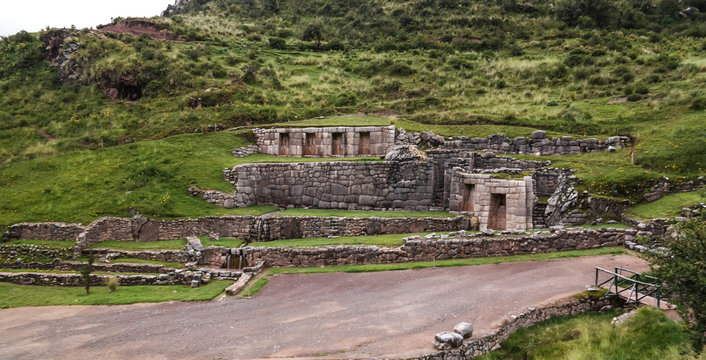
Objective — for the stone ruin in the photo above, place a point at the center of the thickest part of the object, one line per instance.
(326, 142)
(499, 193)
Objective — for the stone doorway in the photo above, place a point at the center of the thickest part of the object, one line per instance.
(468, 190)
(364, 143)
(497, 218)
(310, 144)
(284, 144)
(337, 144)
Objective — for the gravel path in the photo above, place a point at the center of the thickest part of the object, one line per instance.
(367, 315)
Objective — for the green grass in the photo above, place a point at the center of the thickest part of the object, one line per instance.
(107, 273)
(668, 206)
(167, 264)
(387, 240)
(350, 120)
(648, 335)
(138, 246)
(225, 242)
(604, 226)
(12, 295)
(254, 288)
(362, 213)
(605, 173)
(152, 176)
(449, 263)
(60, 244)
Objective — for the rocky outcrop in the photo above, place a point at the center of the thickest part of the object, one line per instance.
(564, 199)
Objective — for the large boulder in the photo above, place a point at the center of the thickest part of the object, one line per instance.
(405, 153)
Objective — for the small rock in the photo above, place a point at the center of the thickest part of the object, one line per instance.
(539, 134)
(464, 329)
(447, 340)
(612, 149)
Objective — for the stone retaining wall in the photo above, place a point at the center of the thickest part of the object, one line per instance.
(296, 227)
(538, 144)
(374, 185)
(178, 277)
(78, 266)
(29, 252)
(160, 255)
(53, 231)
(476, 347)
(250, 228)
(440, 248)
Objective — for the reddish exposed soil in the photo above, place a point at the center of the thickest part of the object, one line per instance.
(369, 315)
(139, 27)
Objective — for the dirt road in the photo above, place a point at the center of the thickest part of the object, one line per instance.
(367, 315)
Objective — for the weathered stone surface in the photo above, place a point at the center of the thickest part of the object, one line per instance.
(537, 144)
(326, 141)
(405, 153)
(447, 340)
(434, 247)
(464, 329)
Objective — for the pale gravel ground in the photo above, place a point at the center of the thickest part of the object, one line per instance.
(366, 315)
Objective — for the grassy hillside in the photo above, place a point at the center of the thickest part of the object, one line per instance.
(580, 68)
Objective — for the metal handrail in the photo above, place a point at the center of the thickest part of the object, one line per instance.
(647, 289)
(619, 269)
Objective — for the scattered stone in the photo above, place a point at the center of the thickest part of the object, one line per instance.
(539, 134)
(447, 340)
(623, 318)
(464, 329)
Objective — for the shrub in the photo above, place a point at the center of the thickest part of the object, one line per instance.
(400, 69)
(699, 103)
(249, 73)
(634, 97)
(277, 43)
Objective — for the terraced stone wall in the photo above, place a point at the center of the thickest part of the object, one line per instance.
(373, 185)
(440, 248)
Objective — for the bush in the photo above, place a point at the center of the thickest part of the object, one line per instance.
(586, 12)
(699, 103)
(634, 97)
(400, 69)
(277, 43)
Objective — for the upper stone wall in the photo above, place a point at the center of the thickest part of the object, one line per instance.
(538, 144)
(373, 185)
(326, 141)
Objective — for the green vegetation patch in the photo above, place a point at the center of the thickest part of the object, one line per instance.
(167, 264)
(49, 243)
(362, 213)
(668, 206)
(254, 288)
(152, 176)
(388, 240)
(225, 242)
(12, 295)
(137, 246)
(648, 335)
(449, 263)
(604, 226)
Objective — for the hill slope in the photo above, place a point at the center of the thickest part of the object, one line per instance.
(575, 67)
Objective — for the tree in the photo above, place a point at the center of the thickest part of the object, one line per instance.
(682, 268)
(313, 32)
(112, 285)
(86, 274)
(586, 12)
